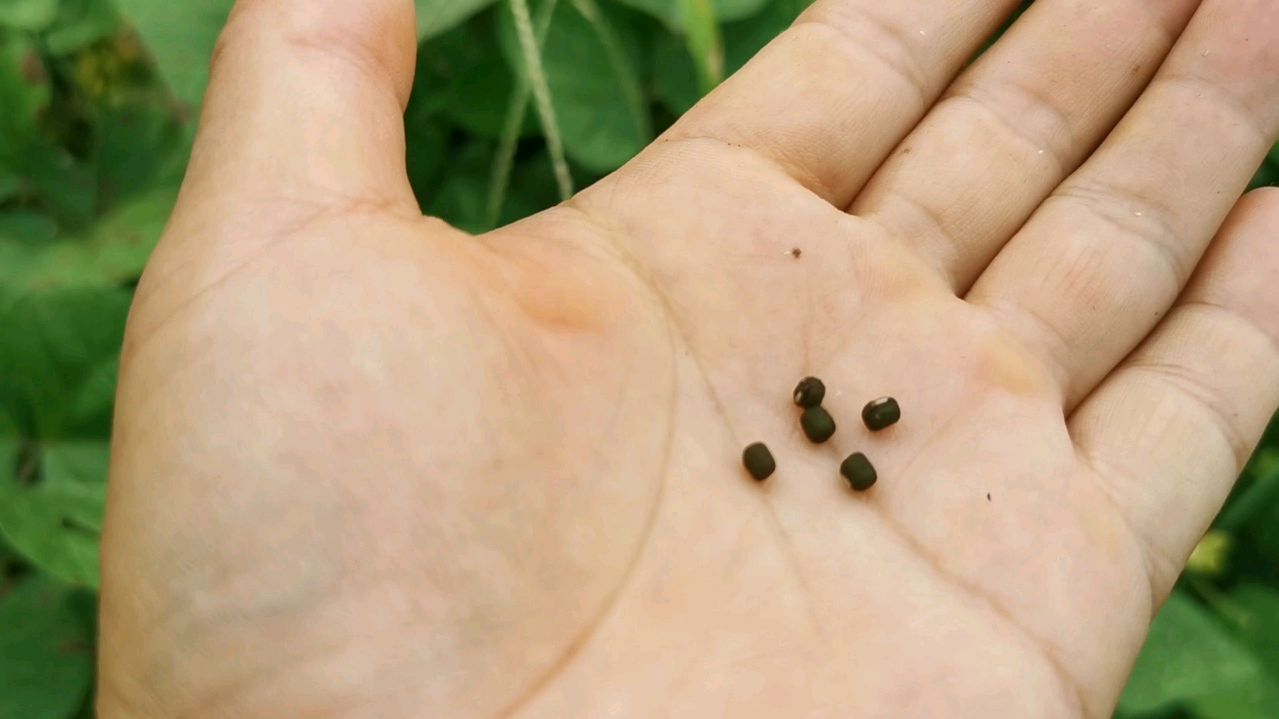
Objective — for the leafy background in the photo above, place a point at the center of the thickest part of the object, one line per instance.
(98, 101)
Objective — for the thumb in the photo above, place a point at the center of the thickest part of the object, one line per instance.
(306, 101)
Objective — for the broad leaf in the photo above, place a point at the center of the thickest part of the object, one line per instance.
(53, 344)
(438, 16)
(140, 146)
(80, 463)
(25, 91)
(1257, 700)
(57, 523)
(180, 36)
(79, 24)
(675, 81)
(674, 72)
(1260, 506)
(590, 65)
(10, 183)
(670, 13)
(742, 40)
(1189, 655)
(27, 156)
(459, 200)
(470, 83)
(46, 652)
(25, 235)
(1255, 610)
(29, 15)
(112, 252)
(8, 447)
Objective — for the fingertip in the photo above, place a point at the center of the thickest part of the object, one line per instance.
(1241, 268)
(306, 99)
(380, 33)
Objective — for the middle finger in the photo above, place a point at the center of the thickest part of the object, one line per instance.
(1015, 124)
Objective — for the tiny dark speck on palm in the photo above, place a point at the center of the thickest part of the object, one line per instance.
(796, 252)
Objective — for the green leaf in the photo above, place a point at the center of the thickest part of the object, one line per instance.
(675, 75)
(57, 523)
(80, 23)
(92, 406)
(1267, 176)
(435, 17)
(460, 199)
(1256, 493)
(112, 252)
(675, 81)
(8, 446)
(38, 164)
(1259, 507)
(1255, 610)
(27, 227)
(1257, 700)
(1189, 655)
(46, 652)
(31, 15)
(53, 345)
(25, 235)
(180, 36)
(10, 184)
(427, 153)
(670, 13)
(742, 40)
(140, 147)
(705, 44)
(590, 64)
(461, 74)
(25, 91)
(81, 463)
(532, 189)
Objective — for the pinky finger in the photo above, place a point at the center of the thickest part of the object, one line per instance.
(1170, 428)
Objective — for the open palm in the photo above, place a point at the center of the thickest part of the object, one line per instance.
(368, 465)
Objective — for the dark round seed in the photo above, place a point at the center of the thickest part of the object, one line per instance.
(759, 461)
(817, 423)
(809, 392)
(858, 471)
(881, 413)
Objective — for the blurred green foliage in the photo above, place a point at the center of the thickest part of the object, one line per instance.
(98, 100)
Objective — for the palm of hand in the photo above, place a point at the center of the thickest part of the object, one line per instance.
(501, 473)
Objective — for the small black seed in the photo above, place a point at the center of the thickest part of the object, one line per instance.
(988, 496)
(858, 471)
(809, 392)
(759, 461)
(817, 423)
(881, 414)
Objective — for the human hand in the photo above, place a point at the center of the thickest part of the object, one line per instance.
(368, 465)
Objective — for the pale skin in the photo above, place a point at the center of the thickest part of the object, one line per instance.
(368, 465)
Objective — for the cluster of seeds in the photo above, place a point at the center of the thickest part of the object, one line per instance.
(819, 426)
